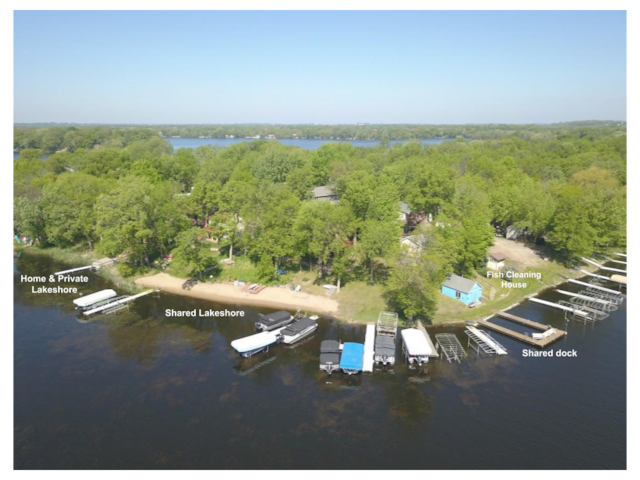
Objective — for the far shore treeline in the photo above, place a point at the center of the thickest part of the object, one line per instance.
(122, 191)
(52, 137)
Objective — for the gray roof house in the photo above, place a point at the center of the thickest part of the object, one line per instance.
(456, 282)
(462, 289)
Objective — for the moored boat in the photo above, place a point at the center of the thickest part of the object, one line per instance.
(272, 321)
(351, 358)
(330, 356)
(297, 330)
(415, 347)
(88, 301)
(256, 343)
(385, 350)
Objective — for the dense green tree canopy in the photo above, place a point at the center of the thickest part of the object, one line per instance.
(123, 191)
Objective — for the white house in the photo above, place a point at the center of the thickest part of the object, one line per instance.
(415, 243)
(495, 260)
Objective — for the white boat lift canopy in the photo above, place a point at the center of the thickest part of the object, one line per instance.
(87, 300)
(117, 302)
(416, 343)
(256, 341)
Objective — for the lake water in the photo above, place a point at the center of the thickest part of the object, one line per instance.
(138, 390)
(306, 144)
(16, 156)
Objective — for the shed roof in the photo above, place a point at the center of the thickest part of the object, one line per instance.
(459, 283)
(498, 256)
(404, 208)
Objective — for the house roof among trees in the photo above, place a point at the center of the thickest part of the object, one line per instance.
(323, 191)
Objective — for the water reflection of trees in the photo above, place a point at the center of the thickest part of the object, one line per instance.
(143, 332)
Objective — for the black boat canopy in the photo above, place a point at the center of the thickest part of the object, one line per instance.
(297, 327)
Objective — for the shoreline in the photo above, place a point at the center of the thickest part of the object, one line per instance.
(272, 297)
(74, 258)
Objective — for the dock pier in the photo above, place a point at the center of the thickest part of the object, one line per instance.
(420, 327)
(543, 343)
(369, 342)
(536, 342)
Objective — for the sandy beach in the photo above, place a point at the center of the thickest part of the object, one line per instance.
(229, 293)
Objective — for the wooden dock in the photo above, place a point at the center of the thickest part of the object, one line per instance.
(547, 342)
(523, 338)
(523, 321)
(420, 327)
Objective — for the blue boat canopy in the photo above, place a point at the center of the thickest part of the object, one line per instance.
(351, 358)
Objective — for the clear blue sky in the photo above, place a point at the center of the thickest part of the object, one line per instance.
(319, 67)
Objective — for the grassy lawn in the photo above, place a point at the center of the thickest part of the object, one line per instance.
(359, 301)
(452, 310)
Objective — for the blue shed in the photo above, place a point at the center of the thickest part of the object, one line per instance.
(462, 289)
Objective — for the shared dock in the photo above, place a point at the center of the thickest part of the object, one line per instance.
(548, 336)
(541, 343)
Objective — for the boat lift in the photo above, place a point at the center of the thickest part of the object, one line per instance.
(387, 324)
(582, 298)
(592, 314)
(566, 308)
(483, 341)
(595, 286)
(451, 347)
